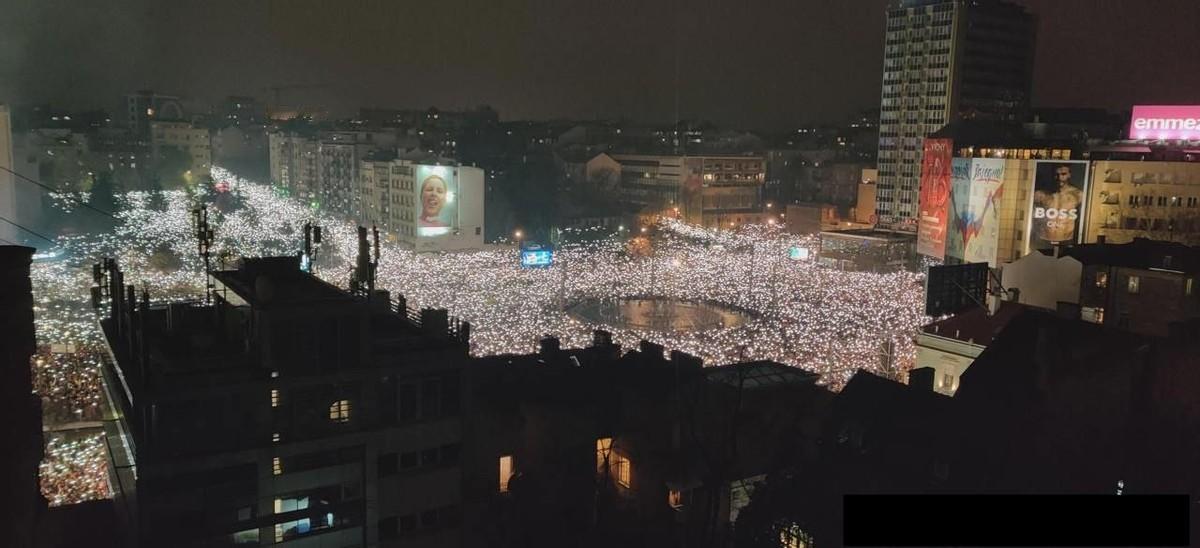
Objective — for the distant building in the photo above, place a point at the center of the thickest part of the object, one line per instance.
(192, 141)
(866, 250)
(713, 191)
(1144, 199)
(241, 111)
(396, 194)
(287, 412)
(943, 60)
(144, 107)
(864, 203)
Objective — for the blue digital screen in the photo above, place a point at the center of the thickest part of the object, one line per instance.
(536, 258)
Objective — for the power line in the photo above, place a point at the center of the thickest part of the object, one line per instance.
(27, 230)
(69, 197)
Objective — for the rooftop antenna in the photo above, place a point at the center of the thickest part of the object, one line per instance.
(204, 238)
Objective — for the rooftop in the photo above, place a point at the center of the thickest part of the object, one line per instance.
(265, 280)
(1141, 253)
(975, 326)
(759, 374)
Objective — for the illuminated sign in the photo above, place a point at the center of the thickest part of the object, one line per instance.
(1165, 122)
(536, 256)
(797, 253)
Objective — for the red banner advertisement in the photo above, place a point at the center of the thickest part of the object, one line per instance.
(935, 195)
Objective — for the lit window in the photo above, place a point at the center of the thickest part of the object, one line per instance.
(276, 437)
(1101, 279)
(675, 498)
(506, 472)
(623, 471)
(339, 411)
(1134, 284)
(1187, 287)
(603, 447)
(274, 397)
(794, 537)
(276, 466)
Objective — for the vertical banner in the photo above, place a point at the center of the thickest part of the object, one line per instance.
(957, 209)
(1057, 207)
(934, 198)
(987, 188)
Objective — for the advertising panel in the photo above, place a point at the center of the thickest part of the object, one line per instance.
(934, 197)
(1166, 122)
(537, 256)
(1058, 203)
(436, 207)
(977, 187)
(956, 208)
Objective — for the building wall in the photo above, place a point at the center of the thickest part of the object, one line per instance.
(1147, 305)
(1156, 200)
(1043, 281)
(709, 190)
(949, 358)
(8, 191)
(181, 135)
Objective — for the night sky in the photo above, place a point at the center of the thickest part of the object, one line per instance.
(757, 64)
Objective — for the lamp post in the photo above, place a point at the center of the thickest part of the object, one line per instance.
(517, 234)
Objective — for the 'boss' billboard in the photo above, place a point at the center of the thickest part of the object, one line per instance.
(1059, 199)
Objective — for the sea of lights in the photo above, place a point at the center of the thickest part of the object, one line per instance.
(828, 321)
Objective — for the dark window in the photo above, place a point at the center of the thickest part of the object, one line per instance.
(429, 457)
(406, 401)
(408, 460)
(406, 524)
(388, 528)
(450, 453)
(430, 398)
(429, 519)
(387, 464)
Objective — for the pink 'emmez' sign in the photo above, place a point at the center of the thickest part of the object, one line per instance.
(1165, 122)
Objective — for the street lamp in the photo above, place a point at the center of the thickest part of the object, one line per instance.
(643, 230)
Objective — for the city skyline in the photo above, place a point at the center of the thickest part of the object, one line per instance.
(532, 61)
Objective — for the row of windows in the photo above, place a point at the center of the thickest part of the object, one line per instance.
(1162, 201)
(436, 518)
(442, 455)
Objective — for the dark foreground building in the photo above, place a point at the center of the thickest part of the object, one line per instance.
(287, 412)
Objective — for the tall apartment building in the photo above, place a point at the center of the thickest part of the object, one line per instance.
(293, 160)
(322, 167)
(715, 191)
(945, 59)
(287, 412)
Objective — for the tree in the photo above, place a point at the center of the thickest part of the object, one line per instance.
(171, 166)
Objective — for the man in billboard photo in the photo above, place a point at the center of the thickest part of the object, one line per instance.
(433, 200)
(1056, 206)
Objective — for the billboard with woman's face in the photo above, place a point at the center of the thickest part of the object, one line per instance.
(436, 206)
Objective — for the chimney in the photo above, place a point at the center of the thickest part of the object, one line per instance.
(649, 348)
(601, 338)
(1101, 239)
(549, 345)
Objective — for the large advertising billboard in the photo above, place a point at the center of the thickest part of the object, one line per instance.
(977, 185)
(1166, 122)
(1058, 202)
(436, 205)
(934, 197)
